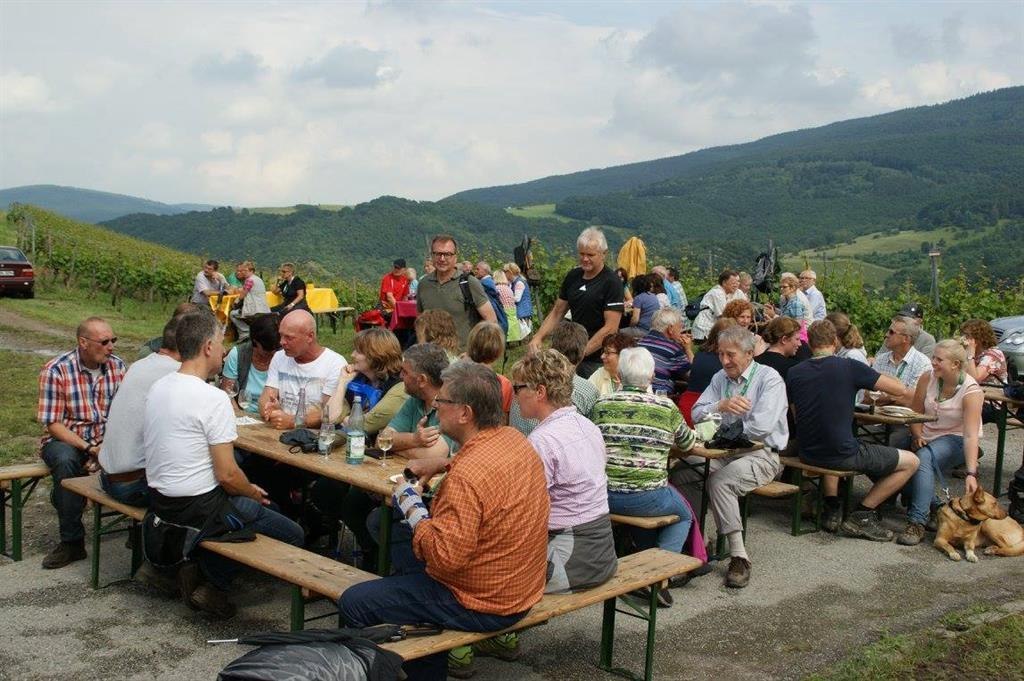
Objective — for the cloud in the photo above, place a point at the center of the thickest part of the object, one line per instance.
(347, 66)
(25, 93)
(240, 67)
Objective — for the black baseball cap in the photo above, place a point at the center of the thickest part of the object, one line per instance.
(400, 262)
(912, 310)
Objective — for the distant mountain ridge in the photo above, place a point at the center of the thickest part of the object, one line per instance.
(999, 106)
(90, 205)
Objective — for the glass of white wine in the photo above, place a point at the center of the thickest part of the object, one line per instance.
(873, 395)
(231, 389)
(385, 441)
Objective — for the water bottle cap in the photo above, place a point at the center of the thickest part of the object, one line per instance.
(358, 398)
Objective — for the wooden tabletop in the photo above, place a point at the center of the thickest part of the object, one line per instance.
(886, 419)
(369, 476)
(708, 453)
(995, 394)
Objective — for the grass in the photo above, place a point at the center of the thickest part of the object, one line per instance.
(885, 243)
(874, 275)
(992, 650)
(540, 210)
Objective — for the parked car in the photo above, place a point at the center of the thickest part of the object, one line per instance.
(16, 273)
(1010, 339)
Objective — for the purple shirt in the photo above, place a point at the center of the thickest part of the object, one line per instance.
(573, 453)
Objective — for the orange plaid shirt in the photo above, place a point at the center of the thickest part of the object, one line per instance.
(487, 536)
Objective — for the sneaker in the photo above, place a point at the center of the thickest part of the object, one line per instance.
(738, 575)
(865, 524)
(212, 601)
(832, 519)
(153, 578)
(503, 646)
(64, 553)
(911, 535)
(460, 662)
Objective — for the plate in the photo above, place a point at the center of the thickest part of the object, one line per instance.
(895, 410)
(396, 478)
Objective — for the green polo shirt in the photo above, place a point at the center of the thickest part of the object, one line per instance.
(433, 295)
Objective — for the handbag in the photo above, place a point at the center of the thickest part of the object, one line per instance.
(299, 440)
(730, 436)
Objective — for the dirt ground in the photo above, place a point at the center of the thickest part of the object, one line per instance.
(812, 600)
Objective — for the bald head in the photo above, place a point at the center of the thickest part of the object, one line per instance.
(298, 335)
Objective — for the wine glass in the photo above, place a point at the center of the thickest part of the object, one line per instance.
(385, 441)
(873, 395)
(231, 389)
(243, 400)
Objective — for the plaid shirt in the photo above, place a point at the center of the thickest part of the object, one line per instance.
(487, 536)
(70, 395)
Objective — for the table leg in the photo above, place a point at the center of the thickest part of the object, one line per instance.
(384, 543)
(1001, 414)
(704, 495)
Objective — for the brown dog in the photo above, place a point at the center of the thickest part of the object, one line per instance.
(977, 519)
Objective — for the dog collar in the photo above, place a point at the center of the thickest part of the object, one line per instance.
(961, 514)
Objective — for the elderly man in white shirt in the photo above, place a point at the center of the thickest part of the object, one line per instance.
(808, 279)
(714, 301)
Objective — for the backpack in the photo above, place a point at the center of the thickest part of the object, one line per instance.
(694, 307)
(492, 297)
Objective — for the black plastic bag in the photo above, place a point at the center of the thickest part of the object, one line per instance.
(730, 436)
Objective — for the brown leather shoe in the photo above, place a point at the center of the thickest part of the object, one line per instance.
(212, 601)
(64, 553)
(155, 579)
(738, 575)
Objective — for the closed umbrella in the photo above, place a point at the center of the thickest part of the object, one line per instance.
(633, 257)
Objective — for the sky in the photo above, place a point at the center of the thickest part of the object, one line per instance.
(277, 103)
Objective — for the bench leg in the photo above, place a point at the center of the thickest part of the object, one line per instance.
(298, 613)
(1001, 414)
(607, 634)
(608, 637)
(798, 503)
(704, 495)
(384, 545)
(3, 520)
(135, 532)
(845, 491)
(17, 503)
(97, 519)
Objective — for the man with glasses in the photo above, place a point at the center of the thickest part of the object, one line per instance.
(901, 359)
(472, 565)
(593, 294)
(807, 280)
(75, 392)
(462, 297)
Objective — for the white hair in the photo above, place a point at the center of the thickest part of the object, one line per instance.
(592, 236)
(738, 336)
(666, 317)
(636, 367)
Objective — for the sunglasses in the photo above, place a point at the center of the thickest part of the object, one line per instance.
(516, 387)
(444, 400)
(105, 341)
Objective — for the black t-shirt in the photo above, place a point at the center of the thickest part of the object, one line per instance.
(705, 366)
(822, 392)
(589, 299)
(290, 289)
(802, 353)
(776, 361)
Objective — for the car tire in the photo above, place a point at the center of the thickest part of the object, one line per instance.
(31, 293)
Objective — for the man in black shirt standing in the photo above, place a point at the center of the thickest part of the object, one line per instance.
(822, 391)
(592, 293)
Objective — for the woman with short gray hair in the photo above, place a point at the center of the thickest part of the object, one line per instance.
(639, 430)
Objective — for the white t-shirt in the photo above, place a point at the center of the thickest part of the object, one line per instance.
(184, 417)
(287, 376)
(122, 450)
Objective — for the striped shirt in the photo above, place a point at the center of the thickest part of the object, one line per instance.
(487, 536)
(572, 451)
(670, 361)
(71, 395)
(639, 429)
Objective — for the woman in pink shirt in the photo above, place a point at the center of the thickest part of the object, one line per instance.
(954, 398)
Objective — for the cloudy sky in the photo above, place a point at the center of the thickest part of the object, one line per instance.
(277, 103)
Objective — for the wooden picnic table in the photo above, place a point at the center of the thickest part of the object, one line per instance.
(1003, 404)
(888, 421)
(703, 468)
(370, 476)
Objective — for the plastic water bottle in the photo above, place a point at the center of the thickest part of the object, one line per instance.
(300, 409)
(356, 447)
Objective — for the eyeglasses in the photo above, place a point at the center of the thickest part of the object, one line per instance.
(445, 400)
(894, 332)
(443, 254)
(609, 352)
(105, 341)
(516, 387)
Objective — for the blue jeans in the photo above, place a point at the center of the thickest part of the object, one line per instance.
(661, 501)
(413, 599)
(134, 493)
(218, 570)
(65, 462)
(937, 458)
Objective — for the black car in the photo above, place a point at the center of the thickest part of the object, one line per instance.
(16, 273)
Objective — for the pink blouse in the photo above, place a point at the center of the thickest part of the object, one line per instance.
(950, 412)
(995, 361)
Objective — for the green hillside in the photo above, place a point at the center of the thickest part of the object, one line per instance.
(89, 205)
(358, 241)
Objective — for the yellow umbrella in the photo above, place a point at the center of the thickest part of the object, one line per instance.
(633, 257)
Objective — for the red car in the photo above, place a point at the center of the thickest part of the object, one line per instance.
(16, 273)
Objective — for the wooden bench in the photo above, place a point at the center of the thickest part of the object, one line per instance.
(300, 568)
(16, 485)
(646, 568)
(334, 314)
(814, 474)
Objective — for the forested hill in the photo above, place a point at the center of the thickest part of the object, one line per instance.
(89, 205)
(359, 241)
(942, 144)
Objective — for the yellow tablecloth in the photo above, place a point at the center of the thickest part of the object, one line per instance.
(318, 299)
